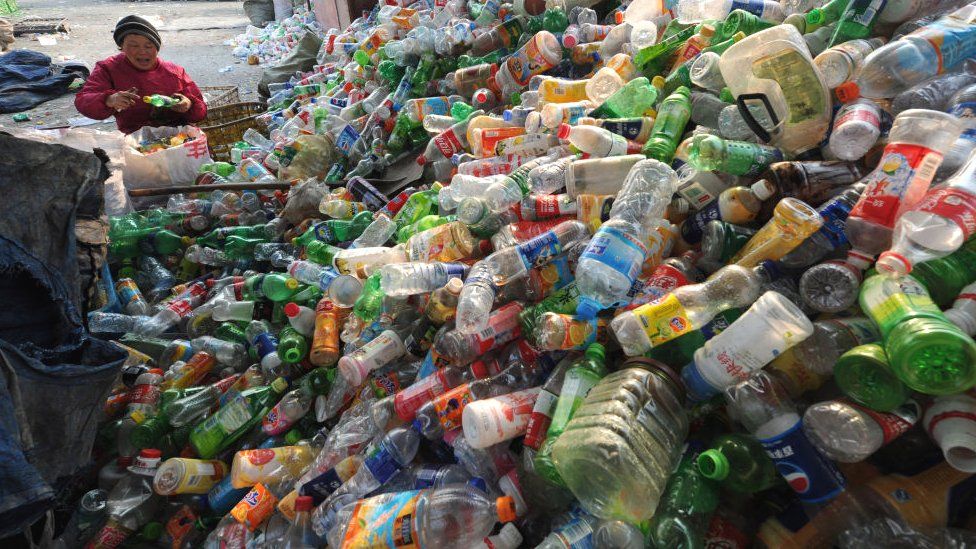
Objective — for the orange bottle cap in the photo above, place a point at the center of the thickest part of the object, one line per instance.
(506, 508)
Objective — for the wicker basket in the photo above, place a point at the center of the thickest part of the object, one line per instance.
(218, 96)
(226, 125)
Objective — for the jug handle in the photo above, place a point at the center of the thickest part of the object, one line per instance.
(754, 125)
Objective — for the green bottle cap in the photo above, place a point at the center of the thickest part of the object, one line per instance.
(815, 17)
(932, 356)
(152, 531)
(713, 465)
(293, 437)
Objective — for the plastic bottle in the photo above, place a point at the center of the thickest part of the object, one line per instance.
(235, 418)
(739, 350)
(681, 518)
(793, 221)
(949, 422)
(763, 407)
(473, 516)
(847, 432)
(131, 502)
(927, 352)
(597, 142)
(857, 127)
(841, 63)
(672, 117)
(709, 152)
(685, 309)
(912, 58)
(187, 476)
(404, 279)
(380, 351)
(511, 263)
(300, 534)
(735, 205)
(494, 420)
(696, 10)
(936, 226)
(538, 55)
(739, 463)
(600, 452)
(635, 98)
(613, 258)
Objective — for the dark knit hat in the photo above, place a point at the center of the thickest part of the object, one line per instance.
(133, 24)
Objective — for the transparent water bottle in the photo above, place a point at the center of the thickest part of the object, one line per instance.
(847, 432)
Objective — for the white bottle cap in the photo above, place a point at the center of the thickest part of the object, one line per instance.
(763, 189)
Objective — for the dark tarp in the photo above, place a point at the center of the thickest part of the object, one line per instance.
(27, 79)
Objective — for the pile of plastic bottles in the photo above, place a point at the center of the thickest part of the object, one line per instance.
(683, 278)
(149, 146)
(269, 44)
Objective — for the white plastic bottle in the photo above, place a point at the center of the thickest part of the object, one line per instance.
(936, 226)
(613, 258)
(857, 127)
(772, 325)
(403, 279)
(691, 11)
(494, 420)
(963, 311)
(301, 318)
(951, 424)
(597, 142)
(380, 351)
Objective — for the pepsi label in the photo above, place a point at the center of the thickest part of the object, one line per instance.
(811, 475)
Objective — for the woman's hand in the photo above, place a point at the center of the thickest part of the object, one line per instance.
(183, 105)
(122, 100)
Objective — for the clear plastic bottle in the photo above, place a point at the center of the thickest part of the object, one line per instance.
(768, 328)
(841, 62)
(685, 309)
(511, 263)
(403, 279)
(131, 502)
(831, 235)
(763, 406)
(495, 420)
(963, 311)
(501, 327)
(614, 256)
(627, 433)
(937, 225)
(383, 349)
(597, 142)
(688, 11)
(857, 128)
(454, 517)
(847, 432)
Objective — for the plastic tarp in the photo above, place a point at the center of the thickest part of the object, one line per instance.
(27, 79)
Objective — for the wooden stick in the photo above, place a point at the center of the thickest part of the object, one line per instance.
(206, 188)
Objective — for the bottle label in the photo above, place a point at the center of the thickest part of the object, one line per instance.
(503, 326)
(231, 417)
(628, 128)
(347, 139)
(618, 250)
(527, 62)
(834, 215)
(593, 209)
(545, 405)
(276, 422)
(128, 292)
(322, 486)
(953, 41)
(696, 194)
(663, 279)
(145, 394)
(540, 249)
(897, 297)
(265, 344)
(953, 204)
(693, 227)
(663, 320)
(812, 476)
(725, 534)
(382, 464)
(577, 534)
(256, 506)
(903, 165)
(450, 406)
(110, 536)
(893, 424)
(754, 7)
(966, 111)
(383, 522)
(447, 142)
(853, 112)
(553, 205)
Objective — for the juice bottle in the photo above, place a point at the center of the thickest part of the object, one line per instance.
(269, 465)
(188, 476)
(793, 221)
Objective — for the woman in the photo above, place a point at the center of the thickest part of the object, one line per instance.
(118, 84)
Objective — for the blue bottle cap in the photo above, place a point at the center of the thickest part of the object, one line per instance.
(588, 308)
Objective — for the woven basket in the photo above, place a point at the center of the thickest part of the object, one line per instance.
(226, 125)
(218, 96)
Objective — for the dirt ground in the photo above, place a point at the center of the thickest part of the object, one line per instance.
(193, 35)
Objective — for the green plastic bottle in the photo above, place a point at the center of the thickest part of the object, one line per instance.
(857, 21)
(228, 331)
(739, 463)
(369, 303)
(680, 351)
(161, 101)
(420, 204)
(945, 277)
(865, 376)
(292, 346)
(828, 13)
(239, 247)
(652, 60)
(279, 287)
(321, 252)
(685, 509)
(632, 100)
(712, 153)
(223, 169)
(235, 418)
(218, 237)
(672, 117)
(740, 21)
(926, 351)
(682, 75)
(421, 225)
(577, 382)
(562, 301)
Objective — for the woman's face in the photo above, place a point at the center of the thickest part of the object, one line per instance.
(140, 51)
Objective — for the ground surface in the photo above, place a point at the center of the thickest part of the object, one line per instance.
(193, 35)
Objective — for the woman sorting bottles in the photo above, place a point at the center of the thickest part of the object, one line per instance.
(138, 87)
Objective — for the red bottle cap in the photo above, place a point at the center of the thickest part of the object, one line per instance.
(563, 132)
(304, 503)
(847, 92)
(292, 310)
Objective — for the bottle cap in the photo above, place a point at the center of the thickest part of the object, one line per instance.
(304, 503)
(152, 531)
(454, 286)
(713, 465)
(706, 30)
(291, 284)
(763, 189)
(292, 310)
(505, 506)
(893, 263)
(563, 132)
(293, 437)
(157, 371)
(588, 308)
(146, 462)
(815, 16)
(847, 92)
(618, 17)
(658, 82)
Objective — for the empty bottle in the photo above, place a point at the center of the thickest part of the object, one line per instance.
(597, 142)
(614, 256)
(681, 518)
(739, 463)
(617, 463)
(841, 63)
(403, 279)
(710, 152)
(847, 432)
(857, 127)
(510, 263)
(963, 311)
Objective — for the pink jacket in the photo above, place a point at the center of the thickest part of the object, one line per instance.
(117, 74)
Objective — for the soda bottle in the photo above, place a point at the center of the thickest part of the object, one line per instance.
(709, 152)
(762, 405)
(734, 354)
(634, 99)
(672, 117)
(793, 221)
(613, 258)
(685, 308)
(510, 263)
(600, 453)
(847, 432)
(927, 352)
(472, 517)
(681, 518)
(936, 226)
(235, 418)
(739, 463)
(864, 375)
